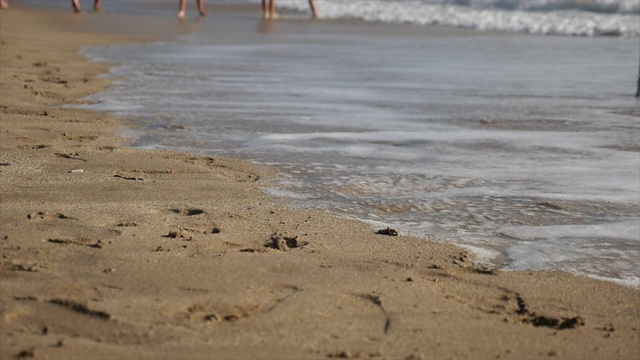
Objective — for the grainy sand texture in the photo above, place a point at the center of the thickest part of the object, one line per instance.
(110, 252)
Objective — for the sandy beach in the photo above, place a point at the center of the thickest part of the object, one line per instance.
(110, 252)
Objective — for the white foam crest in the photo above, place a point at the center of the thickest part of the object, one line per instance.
(108, 105)
(434, 133)
(571, 20)
(483, 255)
(427, 154)
(624, 230)
(607, 251)
(629, 281)
(286, 193)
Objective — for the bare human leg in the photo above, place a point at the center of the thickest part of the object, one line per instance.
(272, 9)
(182, 6)
(313, 8)
(201, 8)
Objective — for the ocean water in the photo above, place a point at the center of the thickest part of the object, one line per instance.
(563, 17)
(522, 147)
(567, 17)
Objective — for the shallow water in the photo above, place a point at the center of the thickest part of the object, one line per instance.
(524, 148)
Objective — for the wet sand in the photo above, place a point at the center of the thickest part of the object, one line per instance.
(112, 252)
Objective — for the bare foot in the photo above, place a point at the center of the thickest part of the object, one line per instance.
(180, 15)
(203, 13)
(4, 4)
(76, 6)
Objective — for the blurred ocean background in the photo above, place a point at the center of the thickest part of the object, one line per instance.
(507, 127)
(566, 17)
(562, 17)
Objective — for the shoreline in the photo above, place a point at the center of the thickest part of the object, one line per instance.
(158, 254)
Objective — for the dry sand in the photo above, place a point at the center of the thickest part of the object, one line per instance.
(163, 255)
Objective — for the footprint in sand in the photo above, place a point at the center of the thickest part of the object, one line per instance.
(284, 242)
(43, 215)
(25, 112)
(80, 138)
(73, 156)
(511, 305)
(33, 147)
(54, 80)
(188, 212)
(84, 241)
(123, 177)
(222, 312)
